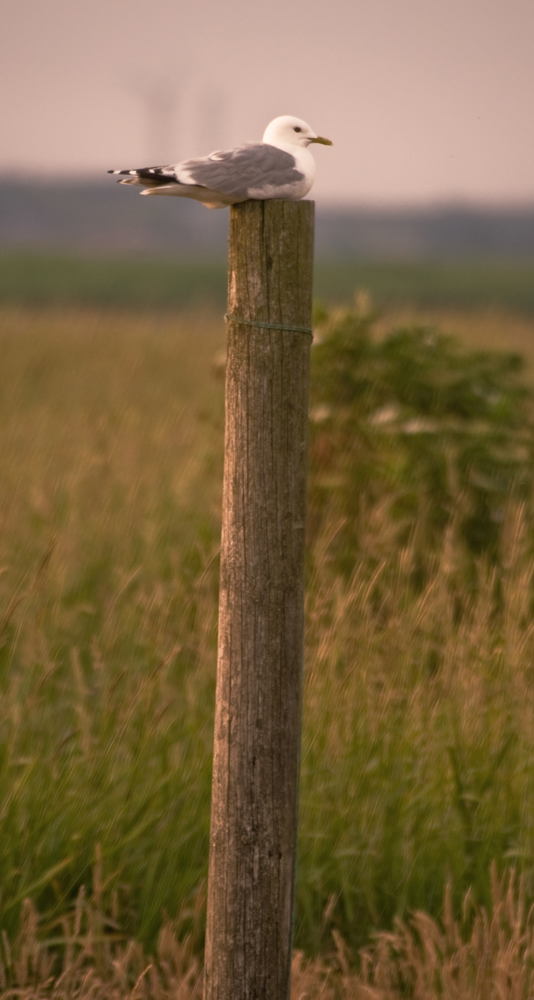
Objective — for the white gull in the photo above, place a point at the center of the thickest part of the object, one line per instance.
(281, 166)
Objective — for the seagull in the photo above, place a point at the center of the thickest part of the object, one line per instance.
(280, 166)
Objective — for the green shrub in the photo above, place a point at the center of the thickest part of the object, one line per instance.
(438, 434)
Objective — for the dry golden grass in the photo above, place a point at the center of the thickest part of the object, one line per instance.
(484, 956)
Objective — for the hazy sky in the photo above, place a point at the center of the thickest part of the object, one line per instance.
(423, 99)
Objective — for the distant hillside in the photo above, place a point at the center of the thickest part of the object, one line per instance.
(102, 218)
(442, 233)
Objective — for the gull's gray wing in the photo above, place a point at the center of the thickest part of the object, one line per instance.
(236, 172)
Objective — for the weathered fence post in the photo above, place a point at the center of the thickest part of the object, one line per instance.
(261, 609)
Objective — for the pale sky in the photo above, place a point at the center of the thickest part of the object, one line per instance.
(425, 100)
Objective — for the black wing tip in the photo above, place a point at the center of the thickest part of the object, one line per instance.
(148, 176)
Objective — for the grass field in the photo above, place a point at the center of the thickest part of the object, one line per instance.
(416, 770)
(177, 283)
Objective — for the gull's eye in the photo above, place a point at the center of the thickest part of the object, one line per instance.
(297, 128)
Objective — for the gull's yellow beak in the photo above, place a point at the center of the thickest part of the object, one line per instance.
(324, 142)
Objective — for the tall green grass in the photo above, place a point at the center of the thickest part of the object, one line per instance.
(110, 467)
(418, 738)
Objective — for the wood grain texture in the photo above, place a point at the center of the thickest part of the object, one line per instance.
(261, 611)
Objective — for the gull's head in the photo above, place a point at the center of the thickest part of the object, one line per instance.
(288, 131)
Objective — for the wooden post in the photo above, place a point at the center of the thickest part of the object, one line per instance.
(261, 605)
